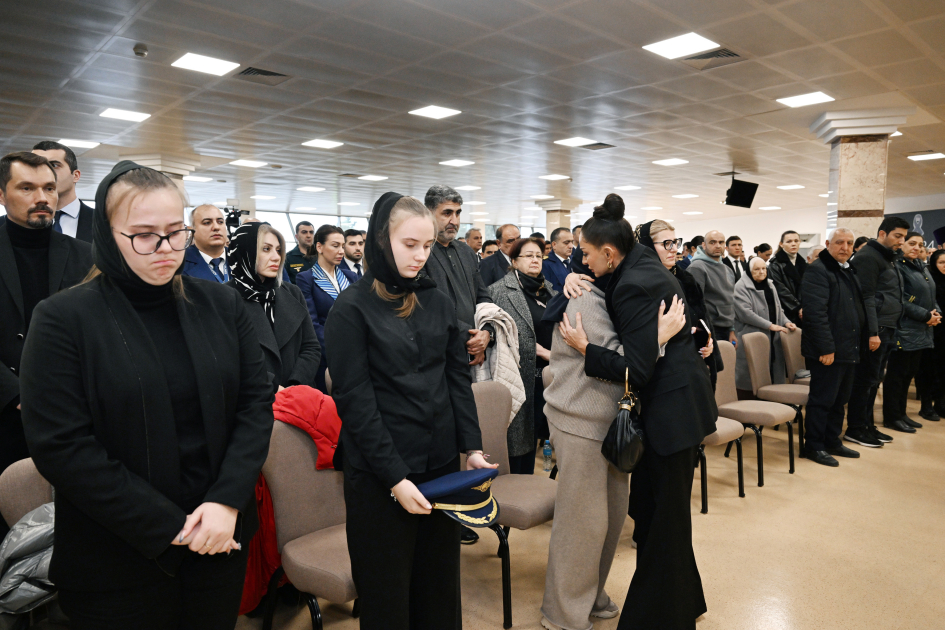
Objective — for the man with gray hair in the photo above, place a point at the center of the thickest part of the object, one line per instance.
(474, 240)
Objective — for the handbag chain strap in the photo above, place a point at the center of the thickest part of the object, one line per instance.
(629, 399)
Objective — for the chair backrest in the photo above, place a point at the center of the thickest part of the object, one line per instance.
(22, 490)
(304, 500)
(725, 385)
(757, 347)
(327, 382)
(793, 359)
(546, 376)
(494, 406)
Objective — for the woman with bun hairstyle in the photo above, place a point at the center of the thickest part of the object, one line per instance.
(404, 394)
(763, 252)
(663, 366)
(146, 405)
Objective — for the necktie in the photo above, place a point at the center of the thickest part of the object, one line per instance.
(56, 227)
(357, 267)
(220, 274)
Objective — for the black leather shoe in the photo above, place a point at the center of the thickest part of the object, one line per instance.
(912, 423)
(929, 414)
(843, 451)
(469, 537)
(898, 425)
(821, 457)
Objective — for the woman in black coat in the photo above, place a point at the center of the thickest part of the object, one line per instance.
(404, 394)
(933, 361)
(786, 271)
(256, 255)
(663, 366)
(146, 406)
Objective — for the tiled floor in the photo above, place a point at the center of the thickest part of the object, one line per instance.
(858, 547)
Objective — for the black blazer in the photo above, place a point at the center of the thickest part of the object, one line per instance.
(832, 303)
(678, 406)
(402, 386)
(470, 269)
(83, 230)
(290, 349)
(493, 268)
(743, 267)
(106, 440)
(69, 262)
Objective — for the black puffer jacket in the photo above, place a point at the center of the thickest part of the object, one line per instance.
(918, 301)
(787, 278)
(834, 313)
(881, 283)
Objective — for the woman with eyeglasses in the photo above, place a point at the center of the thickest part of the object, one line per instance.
(146, 405)
(524, 294)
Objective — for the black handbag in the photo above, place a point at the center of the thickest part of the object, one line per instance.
(623, 446)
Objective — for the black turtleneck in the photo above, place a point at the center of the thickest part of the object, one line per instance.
(157, 309)
(31, 252)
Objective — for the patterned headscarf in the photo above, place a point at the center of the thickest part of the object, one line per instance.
(241, 255)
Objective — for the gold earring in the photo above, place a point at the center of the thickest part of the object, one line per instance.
(610, 265)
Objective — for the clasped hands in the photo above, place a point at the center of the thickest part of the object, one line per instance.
(209, 530)
(477, 344)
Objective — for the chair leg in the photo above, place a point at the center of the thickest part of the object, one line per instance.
(272, 596)
(506, 574)
(741, 468)
(800, 431)
(356, 609)
(705, 482)
(728, 449)
(315, 611)
(761, 455)
(790, 446)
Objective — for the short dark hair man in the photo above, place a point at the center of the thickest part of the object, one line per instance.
(303, 256)
(489, 247)
(834, 335)
(73, 218)
(206, 258)
(734, 257)
(474, 239)
(881, 282)
(495, 267)
(35, 262)
(354, 252)
(558, 264)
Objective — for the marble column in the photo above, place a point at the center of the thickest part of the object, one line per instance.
(858, 183)
(555, 219)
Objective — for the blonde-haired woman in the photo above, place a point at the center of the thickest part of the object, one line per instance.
(404, 394)
(256, 256)
(146, 405)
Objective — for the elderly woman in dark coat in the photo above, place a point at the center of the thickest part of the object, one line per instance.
(524, 293)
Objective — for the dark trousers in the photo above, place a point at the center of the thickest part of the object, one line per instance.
(903, 365)
(205, 595)
(722, 334)
(12, 440)
(926, 378)
(934, 363)
(830, 387)
(523, 464)
(666, 590)
(541, 422)
(869, 374)
(405, 566)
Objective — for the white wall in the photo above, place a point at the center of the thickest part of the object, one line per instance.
(915, 204)
(760, 226)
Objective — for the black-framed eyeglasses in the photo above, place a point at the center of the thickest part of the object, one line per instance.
(671, 244)
(147, 243)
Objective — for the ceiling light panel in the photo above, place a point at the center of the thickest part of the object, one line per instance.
(435, 112)
(686, 196)
(469, 188)
(627, 188)
(543, 196)
(373, 178)
(196, 178)
(310, 189)
(457, 163)
(124, 114)
(575, 142)
(209, 65)
(671, 162)
(688, 44)
(79, 144)
(323, 144)
(803, 100)
(790, 187)
(553, 177)
(895, 134)
(926, 156)
(266, 197)
(248, 163)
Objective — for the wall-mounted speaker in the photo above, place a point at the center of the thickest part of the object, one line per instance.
(741, 193)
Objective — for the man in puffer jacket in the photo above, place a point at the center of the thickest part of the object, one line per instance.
(881, 282)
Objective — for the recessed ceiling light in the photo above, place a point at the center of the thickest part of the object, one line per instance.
(671, 162)
(543, 196)
(895, 134)
(803, 100)
(575, 142)
(475, 203)
(79, 144)
(824, 195)
(249, 163)
(123, 114)
(926, 156)
(435, 112)
(195, 178)
(831, 204)
(373, 178)
(790, 187)
(348, 203)
(261, 197)
(322, 144)
(686, 196)
(456, 163)
(626, 188)
(469, 188)
(479, 214)
(770, 208)
(305, 208)
(553, 177)
(219, 67)
(310, 189)
(688, 44)
(691, 213)
(651, 208)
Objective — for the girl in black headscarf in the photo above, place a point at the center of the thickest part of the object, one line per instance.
(146, 405)
(933, 361)
(403, 391)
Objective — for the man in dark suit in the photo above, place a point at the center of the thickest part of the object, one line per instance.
(35, 262)
(734, 257)
(556, 267)
(206, 258)
(354, 252)
(496, 266)
(73, 218)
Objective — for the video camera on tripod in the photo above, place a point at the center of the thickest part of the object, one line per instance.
(233, 214)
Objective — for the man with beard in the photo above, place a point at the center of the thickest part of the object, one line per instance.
(354, 252)
(303, 256)
(35, 262)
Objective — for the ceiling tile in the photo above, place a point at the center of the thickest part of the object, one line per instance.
(564, 37)
(880, 48)
(850, 85)
(517, 54)
(912, 73)
(758, 35)
(747, 104)
(623, 21)
(834, 19)
(750, 75)
(462, 64)
(810, 63)
(489, 13)
(908, 10)
(354, 33)
(214, 22)
(930, 96)
(405, 16)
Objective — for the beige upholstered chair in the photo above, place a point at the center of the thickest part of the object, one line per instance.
(22, 490)
(525, 501)
(726, 432)
(793, 359)
(309, 507)
(754, 414)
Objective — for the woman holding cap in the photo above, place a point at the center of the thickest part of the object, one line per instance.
(146, 405)
(404, 394)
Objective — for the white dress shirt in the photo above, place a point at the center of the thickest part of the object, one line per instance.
(224, 267)
(351, 265)
(69, 218)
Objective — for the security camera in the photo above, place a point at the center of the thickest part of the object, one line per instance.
(140, 50)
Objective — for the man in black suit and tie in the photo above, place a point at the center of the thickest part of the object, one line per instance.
(35, 262)
(73, 218)
(354, 252)
(497, 265)
(206, 258)
(556, 267)
(734, 257)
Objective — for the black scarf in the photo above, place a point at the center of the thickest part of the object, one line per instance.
(643, 235)
(380, 258)
(795, 270)
(534, 287)
(769, 297)
(241, 257)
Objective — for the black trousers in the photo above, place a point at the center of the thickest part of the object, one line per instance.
(927, 377)
(405, 566)
(205, 595)
(933, 362)
(903, 365)
(869, 374)
(12, 440)
(666, 590)
(830, 387)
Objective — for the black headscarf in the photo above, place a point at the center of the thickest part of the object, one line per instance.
(643, 235)
(380, 258)
(241, 256)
